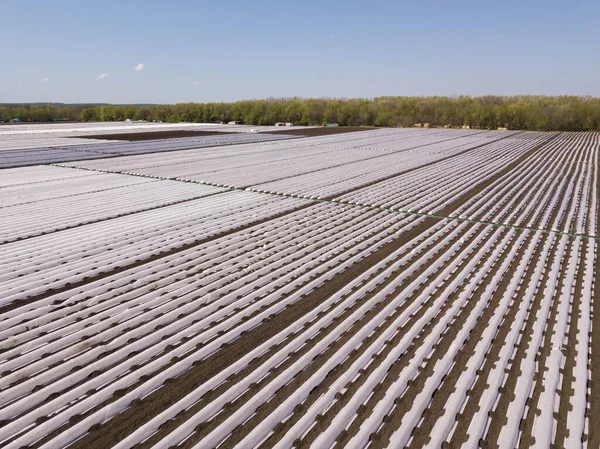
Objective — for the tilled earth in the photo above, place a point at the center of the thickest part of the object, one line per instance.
(152, 135)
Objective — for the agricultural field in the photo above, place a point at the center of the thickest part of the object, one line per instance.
(380, 288)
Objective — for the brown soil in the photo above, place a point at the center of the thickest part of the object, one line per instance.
(151, 135)
(421, 434)
(499, 416)
(472, 405)
(527, 438)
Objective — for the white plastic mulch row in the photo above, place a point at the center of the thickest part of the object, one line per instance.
(335, 247)
(541, 182)
(31, 176)
(33, 266)
(53, 214)
(418, 190)
(69, 152)
(19, 195)
(336, 180)
(308, 167)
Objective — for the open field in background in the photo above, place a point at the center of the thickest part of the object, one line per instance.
(56, 136)
(382, 288)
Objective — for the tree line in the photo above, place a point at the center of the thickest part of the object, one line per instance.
(541, 113)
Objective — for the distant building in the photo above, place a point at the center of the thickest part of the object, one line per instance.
(332, 125)
(502, 129)
(418, 125)
(466, 127)
(233, 122)
(289, 124)
(16, 120)
(426, 125)
(279, 124)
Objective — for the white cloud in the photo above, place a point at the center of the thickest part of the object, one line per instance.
(19, 82)
(44, 80)
(197, 83)
(139, 67)
(102, 76)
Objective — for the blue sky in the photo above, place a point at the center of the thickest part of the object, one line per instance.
(226, 51)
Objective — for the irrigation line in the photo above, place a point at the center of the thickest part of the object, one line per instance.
(345, 203)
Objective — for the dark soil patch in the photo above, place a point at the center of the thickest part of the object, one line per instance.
(151, 135)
